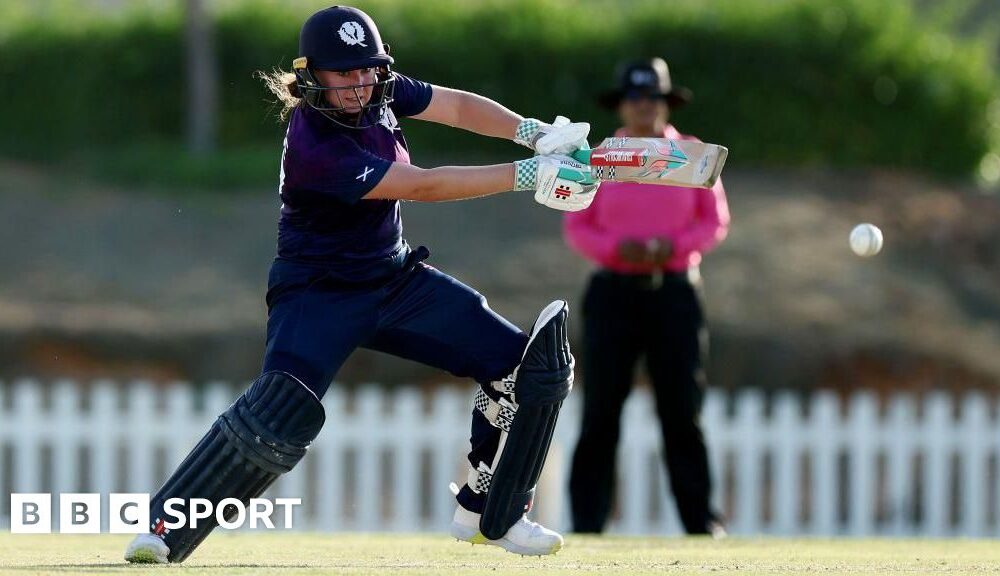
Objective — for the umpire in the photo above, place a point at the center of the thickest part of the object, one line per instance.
(645, 299)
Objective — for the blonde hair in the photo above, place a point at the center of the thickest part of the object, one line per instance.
(284, 87)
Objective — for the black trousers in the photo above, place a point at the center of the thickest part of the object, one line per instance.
(626, 317)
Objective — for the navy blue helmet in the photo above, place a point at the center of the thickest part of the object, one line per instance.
(341, 38)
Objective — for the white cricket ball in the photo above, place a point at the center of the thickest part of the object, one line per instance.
(866, 240)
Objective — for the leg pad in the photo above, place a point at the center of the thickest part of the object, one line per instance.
(261, 436)
(541, 383)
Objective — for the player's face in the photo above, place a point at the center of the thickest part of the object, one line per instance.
(643, 111)
(354, 87)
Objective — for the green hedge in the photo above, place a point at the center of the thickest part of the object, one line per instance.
(781, 82)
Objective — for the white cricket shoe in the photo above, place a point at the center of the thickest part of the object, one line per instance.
(526, 537)
(147, 549)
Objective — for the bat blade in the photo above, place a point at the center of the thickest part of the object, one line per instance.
(686, 163)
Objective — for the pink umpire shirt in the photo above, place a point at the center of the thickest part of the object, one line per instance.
(693, 219)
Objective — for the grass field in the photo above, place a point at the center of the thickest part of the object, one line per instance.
(225, 554)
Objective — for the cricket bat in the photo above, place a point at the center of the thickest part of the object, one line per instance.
(686, 163)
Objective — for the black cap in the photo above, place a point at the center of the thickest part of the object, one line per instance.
(645, 78)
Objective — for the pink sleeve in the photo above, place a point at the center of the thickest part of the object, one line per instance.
(712, 223)
(584, 235)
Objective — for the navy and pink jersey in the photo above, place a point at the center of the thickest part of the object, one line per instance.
(327, 169)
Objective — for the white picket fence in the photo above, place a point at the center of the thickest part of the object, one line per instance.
(908, 466)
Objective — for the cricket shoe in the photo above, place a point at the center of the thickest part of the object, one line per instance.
(525, 537)
(147, 549)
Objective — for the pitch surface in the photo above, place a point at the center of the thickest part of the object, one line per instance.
(245, 553)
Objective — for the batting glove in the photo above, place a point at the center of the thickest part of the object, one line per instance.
(559, 182)
(560, 137)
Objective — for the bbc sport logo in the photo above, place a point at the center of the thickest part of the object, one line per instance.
(128, 513)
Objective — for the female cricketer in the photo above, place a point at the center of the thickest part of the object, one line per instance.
(344, 277)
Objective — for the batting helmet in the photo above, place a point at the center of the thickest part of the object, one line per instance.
(340, 39)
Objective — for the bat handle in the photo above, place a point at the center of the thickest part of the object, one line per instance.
(575, 176)
(582, 155)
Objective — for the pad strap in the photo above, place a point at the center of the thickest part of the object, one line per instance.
(504, 386)
(499, 414)
(479, 479)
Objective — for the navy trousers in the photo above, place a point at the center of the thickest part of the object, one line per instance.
(316, 319)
